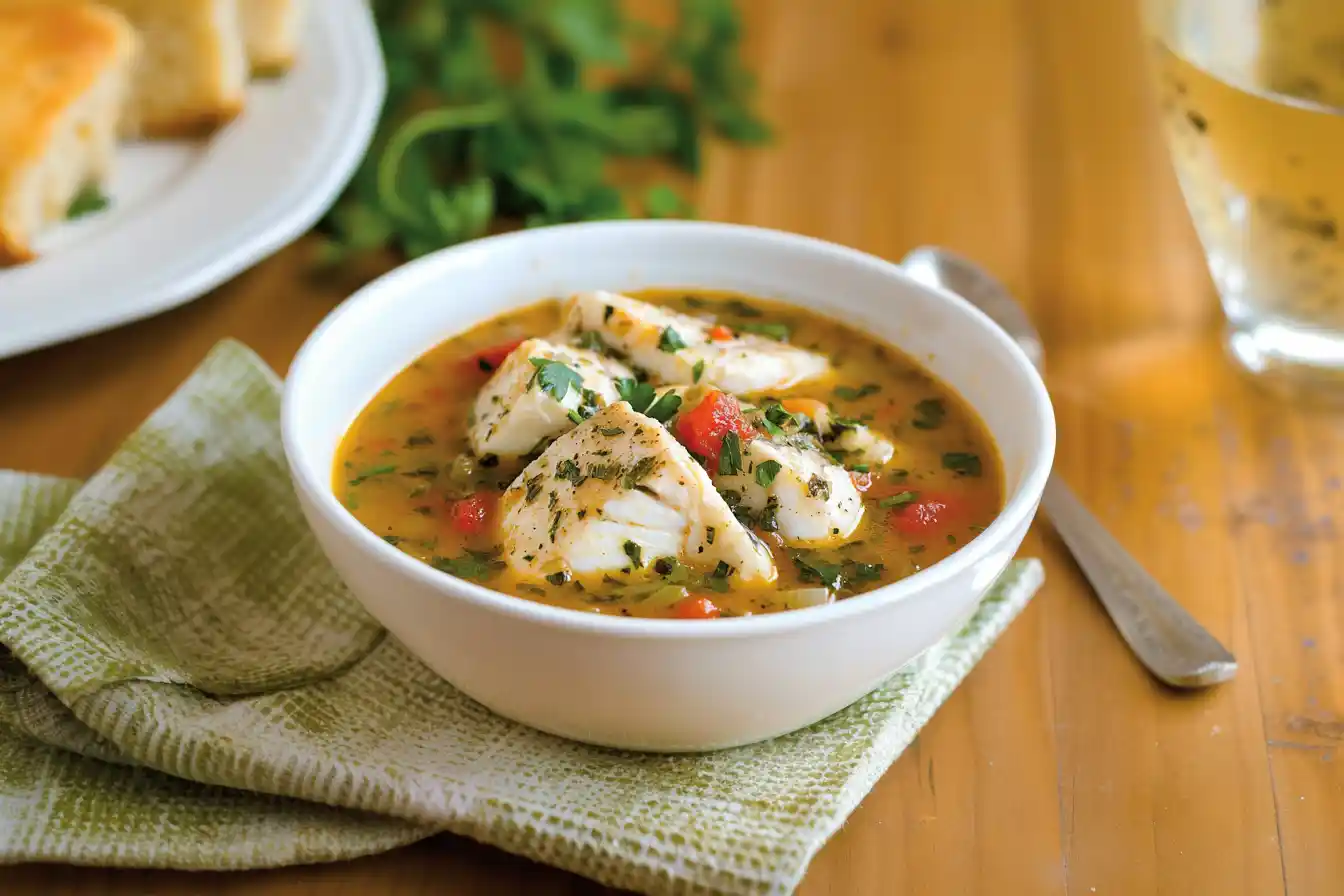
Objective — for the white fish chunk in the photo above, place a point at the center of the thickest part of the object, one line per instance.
(673, 346)
(856, 444)
(796, 490)
(515, 411)
(617, 493)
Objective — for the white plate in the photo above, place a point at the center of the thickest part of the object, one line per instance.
(188, 216)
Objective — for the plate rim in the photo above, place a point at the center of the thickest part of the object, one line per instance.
(348, 25)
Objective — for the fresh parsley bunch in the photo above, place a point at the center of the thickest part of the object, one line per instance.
(495, 113)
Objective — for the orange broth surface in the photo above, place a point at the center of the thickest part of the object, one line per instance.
(405, 468)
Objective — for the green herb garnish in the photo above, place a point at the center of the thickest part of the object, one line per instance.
(929, 414)
(698, 370)
(87, 201)
(777, 332)
(961, 463)
(900, 499)
(365, 475)
(634, 552)
(671, 341)
(848, 393)
(730, 455)
(470, 565)
(766, 471)
(665, 407)
(555, 378)
(639, 395)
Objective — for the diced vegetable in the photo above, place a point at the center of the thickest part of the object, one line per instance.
(472, 515)
(696, 607)
(489, 360)
(929, 515)
(702, 428)
(720, 333)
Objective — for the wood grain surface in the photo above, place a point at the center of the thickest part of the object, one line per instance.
(1021, 133)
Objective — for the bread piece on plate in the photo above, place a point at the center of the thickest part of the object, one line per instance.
(64, 71)
(271, 32)
(192, 74)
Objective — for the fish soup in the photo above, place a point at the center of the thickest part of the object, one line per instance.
(670, 454)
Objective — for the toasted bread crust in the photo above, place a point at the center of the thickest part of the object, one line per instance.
(51, 59)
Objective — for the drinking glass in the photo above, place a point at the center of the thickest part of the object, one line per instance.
(1252, 95)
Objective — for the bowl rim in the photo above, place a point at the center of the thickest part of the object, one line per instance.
(314, 485)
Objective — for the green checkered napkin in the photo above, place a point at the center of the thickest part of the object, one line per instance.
(188, 685)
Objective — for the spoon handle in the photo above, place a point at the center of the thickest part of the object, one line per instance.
(1162, 634)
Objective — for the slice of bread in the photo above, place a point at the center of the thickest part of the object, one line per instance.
(65, 71)
(192, 75)
(271, 32)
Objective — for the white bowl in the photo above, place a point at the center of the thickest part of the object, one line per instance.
(652, 684)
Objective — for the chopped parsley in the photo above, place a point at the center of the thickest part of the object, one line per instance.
(371, 472)
(777, 332)
(419, 438)
(88, 201)
(470, 565)
(559, 578)
(640, 471)
(730, 456)
(555, 378)
(671, 341)
(393, 540)
(634, 552)
(766, 471)
(849, 393)
(836, 574)
(961, 463)
(665, 407)
(929, 414)
(610, 430)
(900, 499)
(639, 395)
(698, 370)
(569, 470)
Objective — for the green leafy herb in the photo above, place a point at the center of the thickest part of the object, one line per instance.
(634, 552)
(567, 469)
(867, 572)
(470, 565)
(899, 499)
(639, 395)
(848, 393)
(639, 472)
(419, 439)
(698, 370)
(929, 414)
(730, 456)
(671, 341)
(468, 138)
(766, 471)
(665, 407)
(560, 577)
(777, 332)
(365, 475)
(814, 569)
(555, 378)
(610, 430)
(961, 463)
(87, 201)
(393, 540)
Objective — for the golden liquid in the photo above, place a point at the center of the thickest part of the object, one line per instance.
(1252, 101)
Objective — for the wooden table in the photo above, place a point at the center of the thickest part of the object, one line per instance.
(1018, 131)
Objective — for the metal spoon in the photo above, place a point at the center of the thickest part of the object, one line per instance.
(1166, 638)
